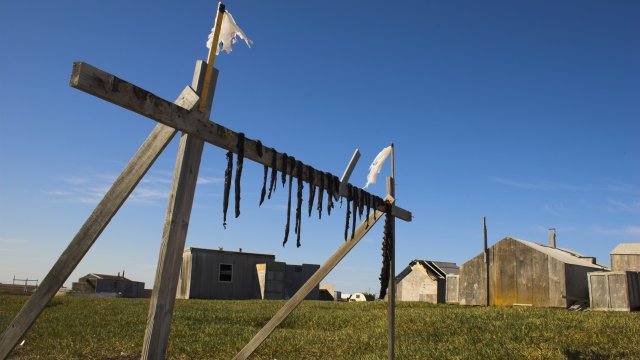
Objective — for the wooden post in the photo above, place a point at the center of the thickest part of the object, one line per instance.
(391, 191)
(211, 58)
(308, 286)
(92, 228)
(486, 260)
(185, 177)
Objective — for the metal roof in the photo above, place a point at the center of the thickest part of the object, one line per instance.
(626, 249)
(564, 255)
(434, 269)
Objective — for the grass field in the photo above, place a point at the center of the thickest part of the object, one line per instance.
(99, 328)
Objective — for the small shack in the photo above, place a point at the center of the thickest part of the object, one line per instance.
(618, 290)
(279, 281)
(626, 257)
(238, 275)
(526, 273)
(109, 285)
(424, 280)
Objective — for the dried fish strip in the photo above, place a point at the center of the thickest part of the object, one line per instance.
(227, 187)
(298, 169)
(286, 229)
(329, 192)
(354, 202)
(348, 212)
(321, 194)
(274, 165)
(285, 163)
(387, 254)
(312, 187)
(239, 162)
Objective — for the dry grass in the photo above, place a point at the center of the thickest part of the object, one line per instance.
(82, 328)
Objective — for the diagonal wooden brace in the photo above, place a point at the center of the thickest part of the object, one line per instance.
(308, 286)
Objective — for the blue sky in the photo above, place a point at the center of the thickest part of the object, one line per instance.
(524, 112)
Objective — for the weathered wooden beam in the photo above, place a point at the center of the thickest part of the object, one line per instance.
(122, 93)
(93, 227)
(344, 180)
(391, 334)
(176, 224)
(308, 286)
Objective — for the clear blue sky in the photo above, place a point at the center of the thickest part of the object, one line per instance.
(526, 112)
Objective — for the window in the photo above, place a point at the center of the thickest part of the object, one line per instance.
(226, 273)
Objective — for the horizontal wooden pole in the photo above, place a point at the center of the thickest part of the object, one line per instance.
(122, 93)
(308, 286)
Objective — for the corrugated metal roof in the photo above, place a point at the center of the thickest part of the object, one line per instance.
(564, 255)
(626, 249)
(435, 269)
(107, 277)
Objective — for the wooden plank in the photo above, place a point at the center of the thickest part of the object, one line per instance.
(313, 281)
(122, 93)
(524, 273)
(185, 177)
(347, 174)
(93, 227)
(391, 312)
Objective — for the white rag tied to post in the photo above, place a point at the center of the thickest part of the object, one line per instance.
(228, 32)
(376, 166)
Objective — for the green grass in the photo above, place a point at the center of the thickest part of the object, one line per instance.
(83, 328)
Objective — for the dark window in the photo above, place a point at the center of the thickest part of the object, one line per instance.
(298, 269)
(226, 273)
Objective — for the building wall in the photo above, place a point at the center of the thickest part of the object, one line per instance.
(614, 291)
(418, 286)
(204, 267)
(296, 276)
(281, 281)
(519, 274)
(625, 262)
(452, 293)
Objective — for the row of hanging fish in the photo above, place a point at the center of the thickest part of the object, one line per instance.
(357, 199)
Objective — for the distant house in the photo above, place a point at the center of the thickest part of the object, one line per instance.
(618, 290)
(424, 280)
(111, 285)
(626, 257)
(526, 273)
(237, 275)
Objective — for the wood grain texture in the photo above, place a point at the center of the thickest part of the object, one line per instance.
(176, 225)
(313, 281)
(122, 93)
(93, 227)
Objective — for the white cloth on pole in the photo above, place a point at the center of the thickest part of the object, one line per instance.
(228, 32)
(376, 166)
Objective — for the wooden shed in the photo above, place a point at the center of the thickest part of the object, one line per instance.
(614, 291)
(113, 285)
(424, 280)
(626, 257)
(279, 281)
(220, 274)
(527, 273)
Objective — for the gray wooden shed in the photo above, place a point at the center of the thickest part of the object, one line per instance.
(614, 291)
(626, 257)
(523, 272)
(279, 281)
(114, 285)
(424, 280)
(219, 274)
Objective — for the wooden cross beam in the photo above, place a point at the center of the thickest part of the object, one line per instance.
(122, 93)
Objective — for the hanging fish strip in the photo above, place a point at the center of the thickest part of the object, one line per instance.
(286, 228)
(367, 199)
(263, 192)
(361, 202)
(387, 254)
(298, 227)
(227, 187)
(274, 175)
(354, 202)
(348, 212)
(285, 162)
(312, 187)
(329, 179)
(239, 162)
(322, 178)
